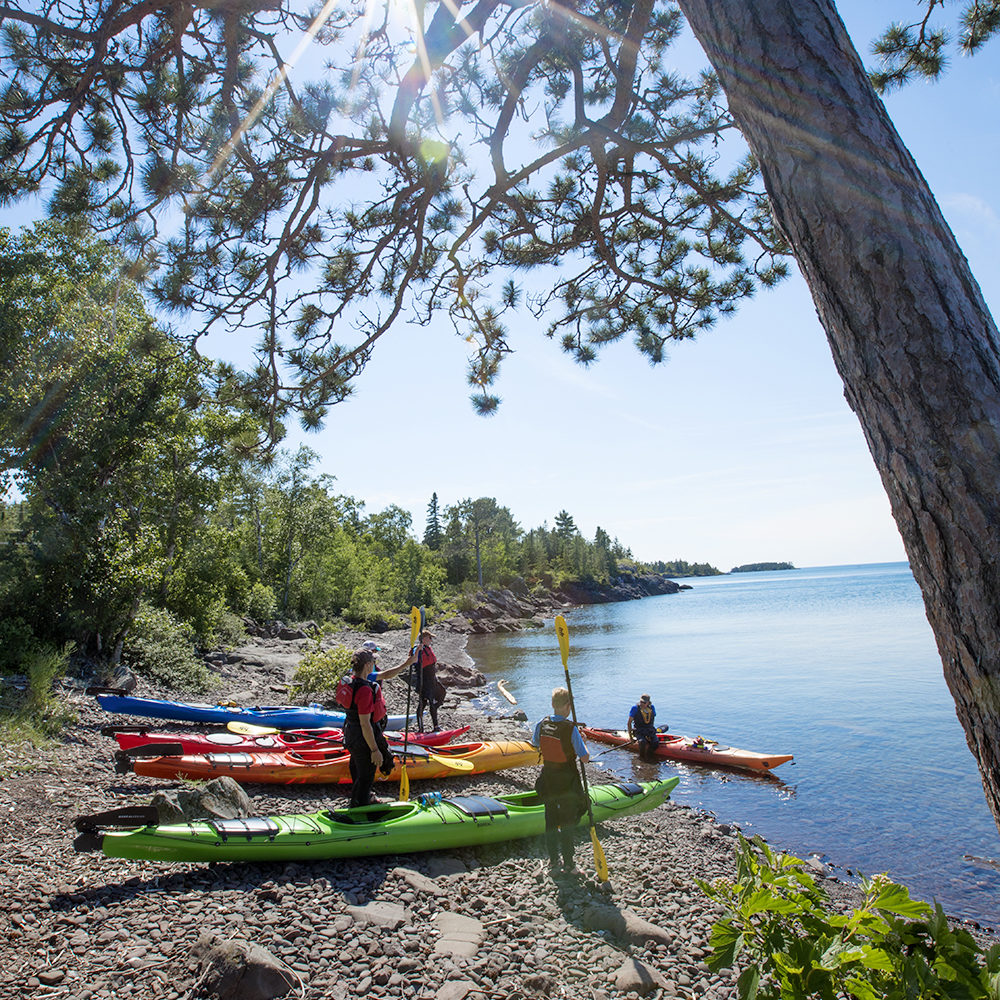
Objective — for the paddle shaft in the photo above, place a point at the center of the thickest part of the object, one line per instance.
(562, 632)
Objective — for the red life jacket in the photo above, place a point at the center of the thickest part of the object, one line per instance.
(555, 740)
(347, 694)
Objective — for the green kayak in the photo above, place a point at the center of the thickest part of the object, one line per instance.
(425, 824)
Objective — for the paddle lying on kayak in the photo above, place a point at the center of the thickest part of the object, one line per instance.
(700, 750)
(278, 716)
(427, 824)
(331, 766)
(246, 736)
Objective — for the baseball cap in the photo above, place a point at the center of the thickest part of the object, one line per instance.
(370, 646)
(644, 697)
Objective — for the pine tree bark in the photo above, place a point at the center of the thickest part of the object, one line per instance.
(910, 332)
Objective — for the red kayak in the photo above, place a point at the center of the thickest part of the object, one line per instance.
(307, 739)
(699, 749)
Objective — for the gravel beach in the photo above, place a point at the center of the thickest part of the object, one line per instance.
(484, 922)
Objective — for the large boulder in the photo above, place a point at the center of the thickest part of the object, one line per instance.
(240, 970)
(221, 798)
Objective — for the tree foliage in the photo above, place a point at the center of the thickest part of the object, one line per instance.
(428, 156)
(919, 49)
(107, 432)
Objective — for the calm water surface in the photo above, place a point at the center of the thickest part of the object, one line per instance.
(836, 665)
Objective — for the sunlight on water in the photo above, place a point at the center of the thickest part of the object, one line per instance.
(836, 665)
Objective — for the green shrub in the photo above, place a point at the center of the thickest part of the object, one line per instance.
(263, 605)
(319, 673)
(162, 647)
(35, 715)
(227, 630)
(788, 942)
(372, 616)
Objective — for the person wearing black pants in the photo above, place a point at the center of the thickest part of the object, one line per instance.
(559, 785)
(359, 731)
(428, 687)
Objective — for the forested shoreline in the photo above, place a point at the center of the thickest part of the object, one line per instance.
(145, 512)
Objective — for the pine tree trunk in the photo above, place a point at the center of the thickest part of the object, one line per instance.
(910, 332)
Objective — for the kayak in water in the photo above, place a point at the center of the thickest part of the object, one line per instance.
(699, 749)
(425, 824)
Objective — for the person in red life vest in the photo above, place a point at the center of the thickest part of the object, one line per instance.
(642, 727)
(559, 785)
(363, 728)
(430, 691)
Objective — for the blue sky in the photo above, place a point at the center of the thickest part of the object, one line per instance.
(740, 448)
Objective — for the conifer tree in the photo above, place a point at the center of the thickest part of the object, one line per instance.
(433, 534)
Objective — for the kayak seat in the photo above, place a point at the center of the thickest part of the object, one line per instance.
(249, 829)
(477, 805)
(630, 788)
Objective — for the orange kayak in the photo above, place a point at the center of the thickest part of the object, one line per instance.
(330, 766)
(700, 750)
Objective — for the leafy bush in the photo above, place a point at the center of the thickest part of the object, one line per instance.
(162, 647)
(780, 930)
(263, 605)
(227, 630)
(373, 616)
(320, 671)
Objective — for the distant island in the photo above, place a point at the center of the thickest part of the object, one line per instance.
(760, 567)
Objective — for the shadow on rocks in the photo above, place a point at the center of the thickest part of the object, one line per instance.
(266, 880)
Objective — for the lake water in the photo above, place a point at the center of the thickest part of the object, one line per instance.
(836, 665)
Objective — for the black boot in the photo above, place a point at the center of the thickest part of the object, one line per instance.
(552, 846)
(566, 839)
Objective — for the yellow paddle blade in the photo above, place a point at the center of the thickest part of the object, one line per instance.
(454, 764)
(404, 785)
(562, 632)
(600, 861)
(414, 625)
(247, 729)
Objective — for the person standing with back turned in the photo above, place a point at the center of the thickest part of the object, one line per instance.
(559, 786)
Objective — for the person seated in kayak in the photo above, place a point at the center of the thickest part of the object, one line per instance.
(642, 726)
(559, 786)
(430, 691)
(363, 734)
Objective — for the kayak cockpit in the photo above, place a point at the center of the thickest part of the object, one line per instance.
(368, 815)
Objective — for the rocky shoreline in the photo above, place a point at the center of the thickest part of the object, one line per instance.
(484, 922)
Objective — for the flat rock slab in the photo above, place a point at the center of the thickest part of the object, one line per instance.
(445, 865)
(460, 935)
(420, 883)
(382, 914)
(626, 924)
(458, 989)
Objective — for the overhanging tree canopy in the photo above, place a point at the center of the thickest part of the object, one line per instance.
(415, 175)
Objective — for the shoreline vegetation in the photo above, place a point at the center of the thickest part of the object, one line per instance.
(761, 567)
(471, 923)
